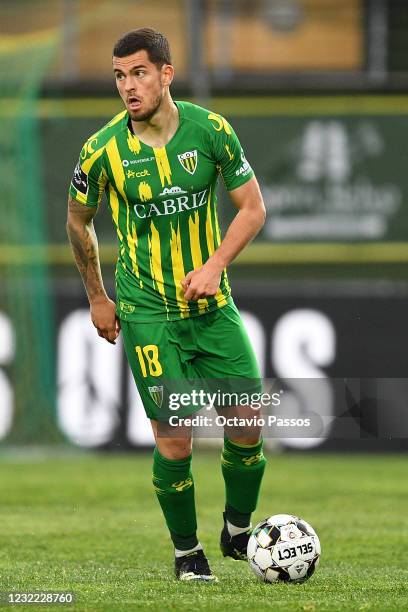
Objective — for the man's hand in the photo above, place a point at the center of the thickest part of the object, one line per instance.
(104, 318)
(202, 282)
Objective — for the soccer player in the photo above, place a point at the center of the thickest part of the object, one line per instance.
(158, 163)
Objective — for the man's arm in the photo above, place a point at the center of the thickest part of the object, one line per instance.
(244, 227)
(84, 244)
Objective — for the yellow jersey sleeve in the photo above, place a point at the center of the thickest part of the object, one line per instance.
(89, 179)
(229, 154)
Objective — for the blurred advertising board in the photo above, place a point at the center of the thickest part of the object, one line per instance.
(330, 168)
(330, 178)
(337, 349)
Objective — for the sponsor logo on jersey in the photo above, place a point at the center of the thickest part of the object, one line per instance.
(189, 161)
(172, 191)
(170, 206)
(156, 394)
(80, 180)
(139, 160)
(133, 174)
(245, 168)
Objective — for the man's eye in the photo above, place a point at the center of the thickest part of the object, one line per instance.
(119, 77)
(140, 73)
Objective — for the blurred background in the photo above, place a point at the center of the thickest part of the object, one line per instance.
(317, 91)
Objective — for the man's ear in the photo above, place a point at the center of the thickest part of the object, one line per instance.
(167, 74)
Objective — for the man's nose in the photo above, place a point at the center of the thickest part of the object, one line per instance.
(129, 83)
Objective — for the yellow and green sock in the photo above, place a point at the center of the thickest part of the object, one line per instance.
(174, 486)
(242, 467)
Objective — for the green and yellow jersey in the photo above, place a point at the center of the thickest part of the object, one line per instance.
(164, 206)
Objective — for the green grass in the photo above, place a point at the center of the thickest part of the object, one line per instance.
(91, 524)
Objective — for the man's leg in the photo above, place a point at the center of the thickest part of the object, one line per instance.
(243, 465)
(172, 477)
(174, 486)
(227, 354)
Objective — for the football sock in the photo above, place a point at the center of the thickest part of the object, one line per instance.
(234, 531)
(182, 553)
(243, 467)
(174, 486)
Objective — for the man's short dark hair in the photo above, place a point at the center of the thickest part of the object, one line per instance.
(154, 43)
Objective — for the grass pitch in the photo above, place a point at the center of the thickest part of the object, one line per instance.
(91, 524)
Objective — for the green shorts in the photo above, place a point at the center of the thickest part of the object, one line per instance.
(212, 348)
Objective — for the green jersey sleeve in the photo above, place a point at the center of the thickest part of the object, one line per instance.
(229, 154)
(89, 179)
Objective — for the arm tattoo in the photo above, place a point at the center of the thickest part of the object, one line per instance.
(84, 244)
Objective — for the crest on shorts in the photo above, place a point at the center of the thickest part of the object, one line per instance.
(189, 161)
(156, 394)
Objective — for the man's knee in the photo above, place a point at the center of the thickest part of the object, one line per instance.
(171, 445)
(244, 425)
(174, 448)
(246, 437)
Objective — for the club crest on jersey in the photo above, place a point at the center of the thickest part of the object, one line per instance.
(156, 393)
(189, 161)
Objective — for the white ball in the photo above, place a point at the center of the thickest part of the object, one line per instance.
(283, 548)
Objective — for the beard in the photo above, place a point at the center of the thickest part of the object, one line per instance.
(149, 113)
